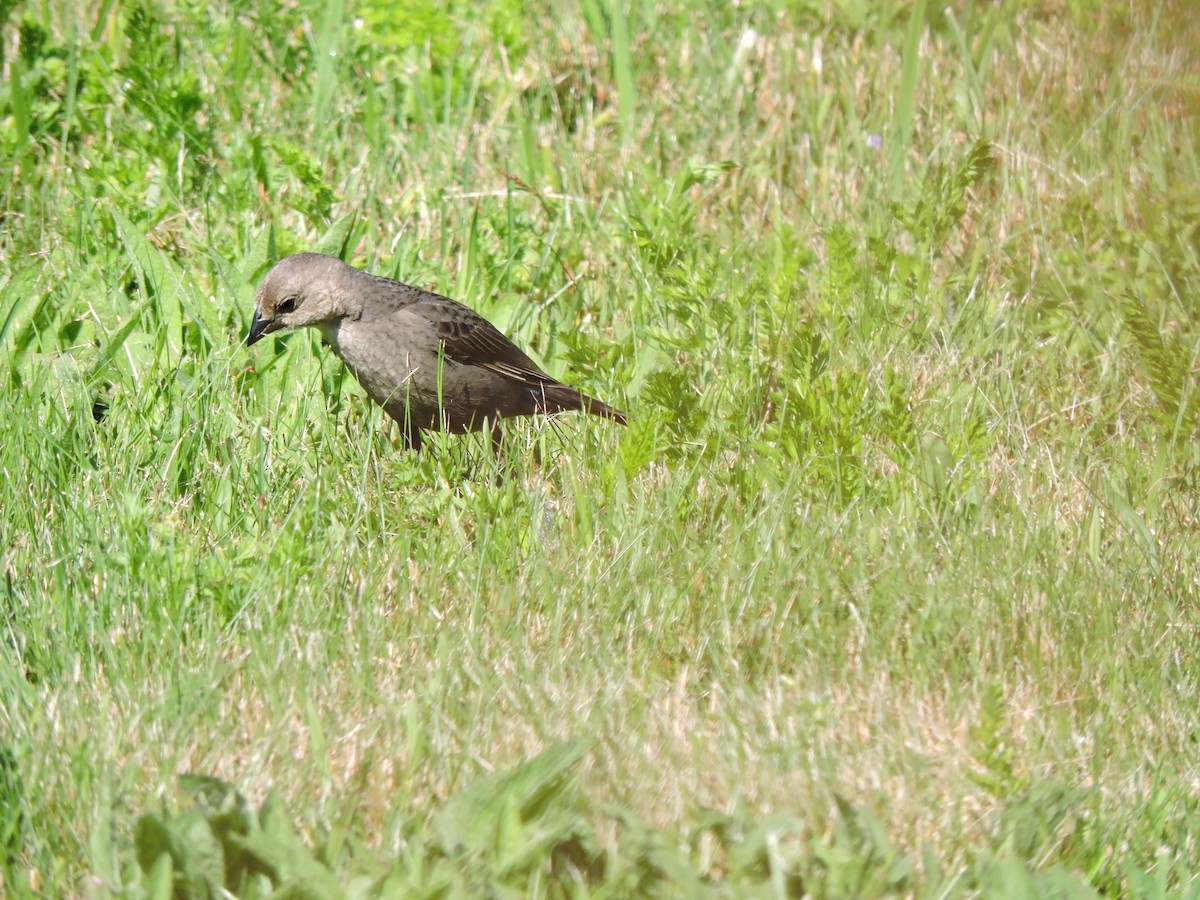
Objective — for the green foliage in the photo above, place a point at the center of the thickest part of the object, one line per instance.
(37, 83)
(317, 197)
(508, 823)
(12, 806)
(993, 751)
(163, 90)
(933, 216)
(433, 48)
(856, 858)
(1169, 364)
(505, 834)
(221, 843)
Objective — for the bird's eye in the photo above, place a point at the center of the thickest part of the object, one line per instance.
(288, 304)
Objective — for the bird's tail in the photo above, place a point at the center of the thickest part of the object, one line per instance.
(561, 397)
(602, 409)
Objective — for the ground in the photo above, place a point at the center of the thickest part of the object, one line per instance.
(888, 589)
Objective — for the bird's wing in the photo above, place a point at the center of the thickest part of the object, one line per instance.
(470, 339)
(466, 336)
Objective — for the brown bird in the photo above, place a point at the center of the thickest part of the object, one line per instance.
(430, 362)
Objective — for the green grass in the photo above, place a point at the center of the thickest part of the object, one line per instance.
(889, 589)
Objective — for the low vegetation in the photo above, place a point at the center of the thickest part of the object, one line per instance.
(888, 589)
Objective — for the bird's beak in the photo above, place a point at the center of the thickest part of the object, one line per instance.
(259, 327)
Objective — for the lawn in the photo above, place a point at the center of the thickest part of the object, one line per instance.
(889, 588)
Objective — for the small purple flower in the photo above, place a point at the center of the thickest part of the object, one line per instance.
(874, 141)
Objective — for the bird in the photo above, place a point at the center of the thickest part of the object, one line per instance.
(432, 363)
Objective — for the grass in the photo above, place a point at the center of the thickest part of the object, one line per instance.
(889, 589)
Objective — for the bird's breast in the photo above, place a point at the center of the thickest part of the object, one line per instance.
(382, 359)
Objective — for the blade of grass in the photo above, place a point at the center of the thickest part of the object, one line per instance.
(905, 106)
(329, 51)
(623, 70)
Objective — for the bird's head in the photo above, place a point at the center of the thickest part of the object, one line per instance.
(300, 290)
